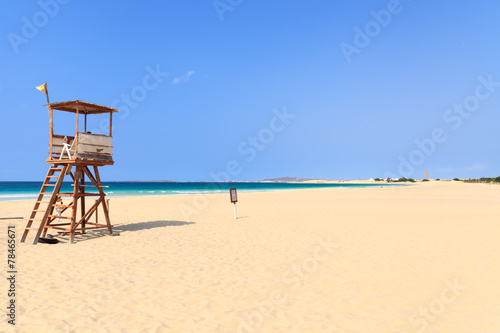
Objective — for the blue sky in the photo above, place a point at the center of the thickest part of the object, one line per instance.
(258, 89)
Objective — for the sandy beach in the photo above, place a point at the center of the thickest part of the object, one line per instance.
(419, 258)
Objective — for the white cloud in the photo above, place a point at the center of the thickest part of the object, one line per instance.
(477, 167)
(183, 78)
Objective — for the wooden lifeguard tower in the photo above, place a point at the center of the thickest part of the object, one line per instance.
(78, 156)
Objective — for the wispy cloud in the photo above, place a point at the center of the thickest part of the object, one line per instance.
(477, 167)
(183, 78)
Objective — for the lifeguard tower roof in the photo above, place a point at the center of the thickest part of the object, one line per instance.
(82, 107)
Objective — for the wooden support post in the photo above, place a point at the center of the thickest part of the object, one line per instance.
(106, 216)
(76, 190)
(76, 133)
(111, 124)
(51, 131)
(96, 216)
(82, 199)
(103, 197)
(45, 229)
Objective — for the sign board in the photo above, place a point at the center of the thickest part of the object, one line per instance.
(234, 196)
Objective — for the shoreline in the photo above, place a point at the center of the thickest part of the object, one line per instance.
(116, 193)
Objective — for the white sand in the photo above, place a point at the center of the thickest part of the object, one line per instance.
(423, 258)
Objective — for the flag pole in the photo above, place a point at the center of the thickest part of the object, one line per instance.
(43, 88)
(50, 116)
(47, 89)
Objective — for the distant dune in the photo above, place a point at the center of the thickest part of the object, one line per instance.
(287, 179)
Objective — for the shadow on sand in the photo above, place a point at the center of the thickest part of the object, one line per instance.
(149, 225)
(101, 232)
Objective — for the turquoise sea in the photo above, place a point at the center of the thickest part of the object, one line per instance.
(29, 190)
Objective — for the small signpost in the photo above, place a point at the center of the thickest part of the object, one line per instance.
(234, 199)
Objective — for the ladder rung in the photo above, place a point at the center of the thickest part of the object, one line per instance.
(52, 176)
(62, 205)
(38, 211)
(61, 217)
(30, 228)
(50, 184)
(34, 220)
(60, 228)
(55, 169)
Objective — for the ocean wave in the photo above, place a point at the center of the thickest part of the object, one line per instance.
(13, 197)
(28, 195)
(198, 191)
